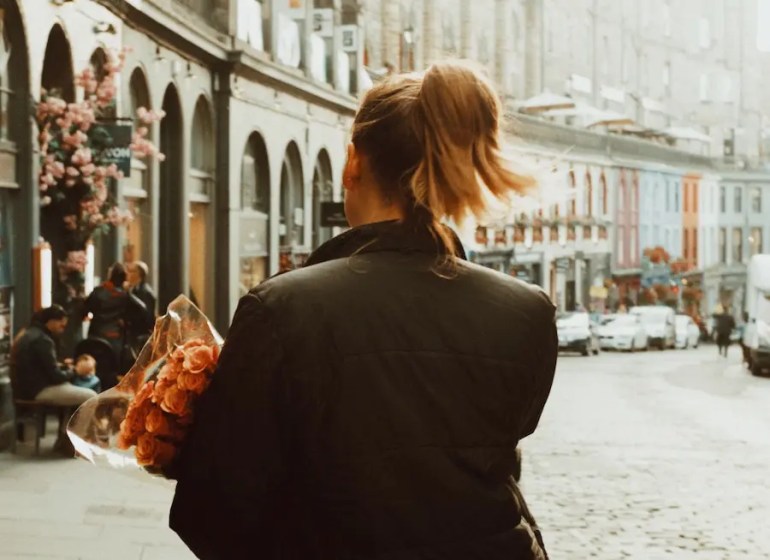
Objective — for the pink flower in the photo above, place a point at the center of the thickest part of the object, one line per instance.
(45, 201)
(161, 156)
(57, 169)
(88, 169)
(72, 172)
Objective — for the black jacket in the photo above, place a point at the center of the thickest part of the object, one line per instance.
(145, 294)
(365, 407)
(114, 310)
(34, 363)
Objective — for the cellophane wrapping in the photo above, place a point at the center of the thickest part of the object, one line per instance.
(141, 423)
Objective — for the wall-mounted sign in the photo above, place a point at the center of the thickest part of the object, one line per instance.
(333, 214)
(113, 142)
(349, 38)
(323, 22)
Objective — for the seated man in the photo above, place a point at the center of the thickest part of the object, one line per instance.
(37, 374)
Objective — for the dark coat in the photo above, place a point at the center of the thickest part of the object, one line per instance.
(365, 407)
(114, 310)
(146, 295)
(34, 363)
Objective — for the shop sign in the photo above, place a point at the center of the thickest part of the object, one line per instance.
(333, 214)
(323, 22)
(349, 38)
(113, 142)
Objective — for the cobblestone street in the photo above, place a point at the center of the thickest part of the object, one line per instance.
(649, 456)
(653, 456)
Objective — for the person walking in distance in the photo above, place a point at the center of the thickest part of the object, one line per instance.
(369, 404)
(137, 279)
(725, 324)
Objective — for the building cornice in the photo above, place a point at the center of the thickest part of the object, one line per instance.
(193, 38)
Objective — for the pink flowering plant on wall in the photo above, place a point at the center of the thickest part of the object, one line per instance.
(76, 181)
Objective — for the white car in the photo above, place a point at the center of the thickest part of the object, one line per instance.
(577, 333)
(625, 332)
(687, 332)
(658, 321)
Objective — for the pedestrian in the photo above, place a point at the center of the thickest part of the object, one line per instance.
(37, 373)
(369, 404)
(114, 312)
(741, 335)
(138, 272)
(725, 324)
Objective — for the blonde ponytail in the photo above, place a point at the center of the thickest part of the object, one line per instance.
(433, 143)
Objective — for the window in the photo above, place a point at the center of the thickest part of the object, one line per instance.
(573, 194)
(687, 197)
(668, 196)
(723, 245)
(603, 186)
(737, 245)
(738, 202)
(677, 194)
(686, 244)
(723, 199)
(755, 239)
(589, 196)
(704, 33)
(756, 199)
(621, 245)
(632, 244)
(622, 196)
(695, 246)
(704, 87)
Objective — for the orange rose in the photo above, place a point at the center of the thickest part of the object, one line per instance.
(153, 452)
(177, 355)
(161, 387)
(199, 359)
(176, 401)
(145, 393)
(125, 439)
(157, 423)
(133, 425)
(192, 343)
(170, 370)
(196, 383)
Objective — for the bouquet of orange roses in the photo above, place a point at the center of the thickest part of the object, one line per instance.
(143, 421)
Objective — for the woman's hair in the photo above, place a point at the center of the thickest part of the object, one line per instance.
(432, 142)
(117, 274)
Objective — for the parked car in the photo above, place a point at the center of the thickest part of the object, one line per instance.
(687, 332)
(658, 321)
(624, 332)
(577, 333)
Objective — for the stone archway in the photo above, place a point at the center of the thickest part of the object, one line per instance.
(58, 74)
(172, 214)
(323, 184)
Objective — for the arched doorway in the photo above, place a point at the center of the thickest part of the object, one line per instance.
(291, 228)
(172, 214)
(254, 241)
(18, 206)
(58, 76)
(202, 168)
(323, 185)
(136, 188)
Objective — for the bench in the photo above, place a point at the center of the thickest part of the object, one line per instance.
(34, 413)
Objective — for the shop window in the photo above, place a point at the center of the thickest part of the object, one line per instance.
(201, 228)
(254, 246)
(292, 217)
(322, 192)
(755, 239)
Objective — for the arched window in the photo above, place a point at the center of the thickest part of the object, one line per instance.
(603, 188)
(322, 192)
(254, 245)
(58, 77)
(291, 229)
(572, 194)
(136, 188)
(589, 196)
(201, 190)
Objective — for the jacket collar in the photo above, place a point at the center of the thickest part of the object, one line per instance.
(382, 236)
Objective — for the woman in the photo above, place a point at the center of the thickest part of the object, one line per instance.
(113, 310)
(369, 405)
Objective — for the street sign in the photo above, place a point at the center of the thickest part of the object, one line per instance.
(112, 142)
(333, 214)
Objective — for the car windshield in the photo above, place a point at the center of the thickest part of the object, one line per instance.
(624, 321)
(573, 320)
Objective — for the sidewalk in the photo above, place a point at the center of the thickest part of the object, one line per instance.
(53, 507)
